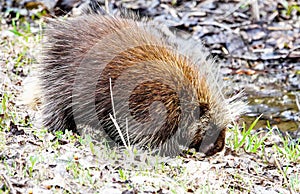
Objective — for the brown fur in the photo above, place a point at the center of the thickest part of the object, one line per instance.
(167, 89)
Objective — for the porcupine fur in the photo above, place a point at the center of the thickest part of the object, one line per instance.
(163, 90)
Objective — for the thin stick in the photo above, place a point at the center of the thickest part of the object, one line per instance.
(8, 184)
(106, 6)
(119, 130)
(114, 118)
(284, 175)
(112, 99)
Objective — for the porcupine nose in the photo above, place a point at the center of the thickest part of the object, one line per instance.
(213, 140)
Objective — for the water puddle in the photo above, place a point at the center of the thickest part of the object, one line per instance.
(281, 111)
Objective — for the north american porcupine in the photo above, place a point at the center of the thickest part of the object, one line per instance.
(164, 91)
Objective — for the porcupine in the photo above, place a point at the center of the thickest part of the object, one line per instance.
(163, 90)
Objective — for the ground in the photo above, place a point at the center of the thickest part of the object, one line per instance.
(259, 45)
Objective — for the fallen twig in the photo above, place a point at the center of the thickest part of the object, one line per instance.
(8, 183)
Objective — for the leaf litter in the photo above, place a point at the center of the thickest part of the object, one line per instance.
(262, 50)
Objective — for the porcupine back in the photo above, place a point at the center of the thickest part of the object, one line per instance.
(163, 91)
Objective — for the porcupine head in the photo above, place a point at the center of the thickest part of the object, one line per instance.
(160, 90)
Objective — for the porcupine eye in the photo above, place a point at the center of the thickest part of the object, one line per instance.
(199, 114)
(213, 140)
(200, 111)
